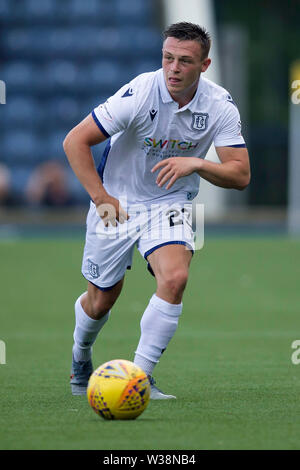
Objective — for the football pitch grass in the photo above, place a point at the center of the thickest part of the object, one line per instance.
(229, 363)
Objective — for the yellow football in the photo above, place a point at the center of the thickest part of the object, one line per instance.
(118, 389)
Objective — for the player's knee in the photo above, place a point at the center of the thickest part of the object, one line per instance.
(99, 305)
(100, 308)
(175, 281)
(99, 302)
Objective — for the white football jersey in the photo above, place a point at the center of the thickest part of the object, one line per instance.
(145, 125)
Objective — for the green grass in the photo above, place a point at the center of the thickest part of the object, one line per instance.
(229, 363)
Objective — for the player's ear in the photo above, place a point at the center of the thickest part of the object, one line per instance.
(205, 64)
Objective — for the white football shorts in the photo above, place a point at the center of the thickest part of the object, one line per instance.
(108, 251)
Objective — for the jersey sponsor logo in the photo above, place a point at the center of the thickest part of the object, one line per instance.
(152, 114)
(93, 269)
(169, 144)
(129, 92)
(200, 121)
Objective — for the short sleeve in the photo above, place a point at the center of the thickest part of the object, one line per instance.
(229, 132)
(116, 113)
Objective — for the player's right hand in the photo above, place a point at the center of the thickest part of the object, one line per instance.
(111, 211)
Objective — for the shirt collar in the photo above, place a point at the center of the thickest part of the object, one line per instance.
(167, 98)
(164, 92)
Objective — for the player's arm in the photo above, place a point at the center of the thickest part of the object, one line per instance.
(233, 171)
(77, 146)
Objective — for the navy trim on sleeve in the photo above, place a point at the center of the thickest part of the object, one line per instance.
(237, 145)
(99, 124)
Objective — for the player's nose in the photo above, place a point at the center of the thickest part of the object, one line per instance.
(175, 66)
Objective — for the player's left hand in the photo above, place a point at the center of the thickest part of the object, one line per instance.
(173, 168)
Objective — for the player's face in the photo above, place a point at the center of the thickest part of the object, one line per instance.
(182, 65)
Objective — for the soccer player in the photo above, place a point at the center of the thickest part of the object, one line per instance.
(160, 127)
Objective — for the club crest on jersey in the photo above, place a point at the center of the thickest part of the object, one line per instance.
(199, 121)
(93, 269)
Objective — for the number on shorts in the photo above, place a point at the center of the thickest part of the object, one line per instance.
(174, 216)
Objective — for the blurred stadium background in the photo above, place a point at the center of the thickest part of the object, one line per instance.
(59, 59)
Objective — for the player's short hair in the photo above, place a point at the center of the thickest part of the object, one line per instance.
(185, 31)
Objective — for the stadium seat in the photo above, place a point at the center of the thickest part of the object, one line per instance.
(41, 11)
(61, 42)
(63, 111)
(20, 76)
(28, 43)
(21, 147)
(16, 41)
(22, 111)
(104, 73)
(137, 41)
(74, 42)
(78, 9)
(86, 41)
(5, 11)
(148, 41)
(108, 40)
(133, 12)
(20, 178)
(61, 75)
